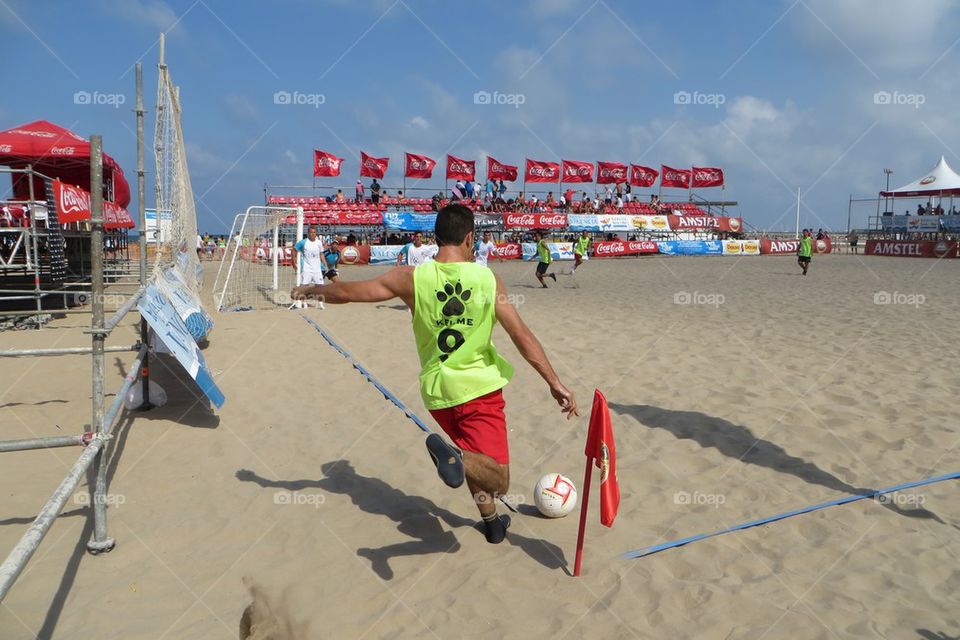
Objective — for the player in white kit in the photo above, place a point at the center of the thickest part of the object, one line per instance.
(485, 249)
(309, 252)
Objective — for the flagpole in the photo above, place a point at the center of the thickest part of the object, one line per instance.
(587, 472)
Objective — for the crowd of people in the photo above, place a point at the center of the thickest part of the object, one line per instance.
(492, 197)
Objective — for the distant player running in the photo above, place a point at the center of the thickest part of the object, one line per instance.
(544, 257)
(805, 251)
(455, 304)
(580, 249)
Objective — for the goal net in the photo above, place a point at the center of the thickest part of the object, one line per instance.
(257, 271)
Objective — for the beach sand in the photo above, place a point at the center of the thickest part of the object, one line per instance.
(308, 508)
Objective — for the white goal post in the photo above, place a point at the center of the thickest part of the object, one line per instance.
(255, 275)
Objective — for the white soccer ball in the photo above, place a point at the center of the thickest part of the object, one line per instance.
(555, 495)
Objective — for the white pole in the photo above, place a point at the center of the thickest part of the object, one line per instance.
(297, 239)
(276, 255)
(797, 234)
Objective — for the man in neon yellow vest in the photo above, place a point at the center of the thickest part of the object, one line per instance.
(455, 304)
(805, 251)
(580, 249)
(544, 259)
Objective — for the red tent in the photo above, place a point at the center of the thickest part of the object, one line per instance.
(58, 153)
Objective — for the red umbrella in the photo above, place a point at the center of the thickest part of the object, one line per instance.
(58, 153)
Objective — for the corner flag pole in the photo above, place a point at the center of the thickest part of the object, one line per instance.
(587, 472)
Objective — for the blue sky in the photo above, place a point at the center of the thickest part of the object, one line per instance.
(786, 88)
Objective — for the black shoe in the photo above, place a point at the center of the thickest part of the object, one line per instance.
(554, 276)
(447, 458)
(495, 529)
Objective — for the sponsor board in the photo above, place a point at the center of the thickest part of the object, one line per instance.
(912, 248)
(690, 247)
(617, 248)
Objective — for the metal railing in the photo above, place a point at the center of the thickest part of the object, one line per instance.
(96, 440)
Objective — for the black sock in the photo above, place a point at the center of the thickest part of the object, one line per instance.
(495, 528)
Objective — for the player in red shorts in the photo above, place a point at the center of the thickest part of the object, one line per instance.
(455, 305)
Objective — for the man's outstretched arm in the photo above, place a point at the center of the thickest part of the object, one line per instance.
(396, 283)
(532, 351)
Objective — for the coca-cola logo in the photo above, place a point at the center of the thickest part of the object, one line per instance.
(541, 171)
(326, 162)
(643, 176)
(557, 220)
(62, 151)
(702, 175)
(610, 248)
(462, 167)
(419, 165)
(5, 148)
(371, 164)
(617, 173)
(645, 245)
(35, 134)
(520, 220)
(73, 200)
(509, 250)
(577, 171)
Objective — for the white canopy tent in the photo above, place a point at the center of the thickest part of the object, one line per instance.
(940, 181)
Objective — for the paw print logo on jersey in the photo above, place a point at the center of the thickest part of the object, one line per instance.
(453, 296)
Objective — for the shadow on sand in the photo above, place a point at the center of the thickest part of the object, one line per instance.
(737, 441)
(415, 517)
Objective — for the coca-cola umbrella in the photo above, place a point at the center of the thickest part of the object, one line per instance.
(59, 153)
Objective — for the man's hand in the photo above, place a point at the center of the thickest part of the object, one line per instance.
(565, 399)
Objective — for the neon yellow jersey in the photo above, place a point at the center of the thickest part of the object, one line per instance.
(582, 245)
(454, 313)
(806, 247)
(543, 251)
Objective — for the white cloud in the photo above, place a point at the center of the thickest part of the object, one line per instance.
(154, 14)
(885, 34)
(291, 156)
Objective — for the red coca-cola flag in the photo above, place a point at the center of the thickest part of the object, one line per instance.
(499, 171)
(611, 173)
(641, 176)
(576, 171)
(602, 450)
(671, 177)
(418, 166)
(458, 169)
(326, 164)
(373, 167)
(540, 171)
(707, 177)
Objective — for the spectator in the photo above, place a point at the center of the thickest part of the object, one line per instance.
(489, 190)
(608, 198)
(468, 186)
(359, 190)
(374, 191)
(920, 210)
(502, 189)
(629, 193)
(568, 199)
(619, 204)
(399, 195)
(819, 234)
(620, 190)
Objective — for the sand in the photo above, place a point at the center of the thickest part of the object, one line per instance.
(307, 507)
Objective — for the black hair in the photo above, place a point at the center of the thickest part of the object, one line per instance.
(454, 222)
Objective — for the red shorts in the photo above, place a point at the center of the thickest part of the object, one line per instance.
(478, 425)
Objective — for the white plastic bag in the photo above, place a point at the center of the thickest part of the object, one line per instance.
(158, 397)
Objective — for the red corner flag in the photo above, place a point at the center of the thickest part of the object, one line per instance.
(602, 452)
(601, 448)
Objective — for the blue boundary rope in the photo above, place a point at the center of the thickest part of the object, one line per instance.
(646, 551)
(369, 376)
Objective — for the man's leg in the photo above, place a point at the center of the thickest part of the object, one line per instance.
(487, 480)
(540, 276)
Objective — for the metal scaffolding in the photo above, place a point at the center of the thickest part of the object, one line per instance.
(96, 440)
